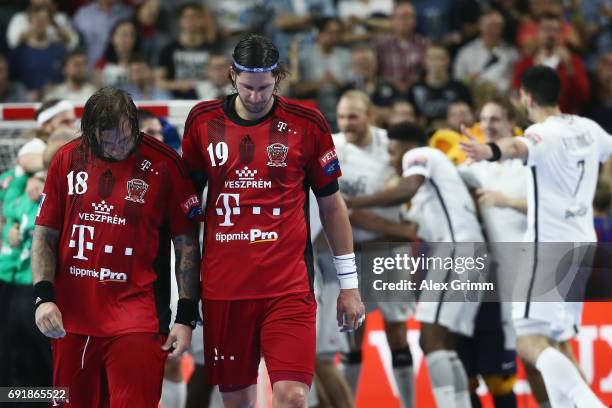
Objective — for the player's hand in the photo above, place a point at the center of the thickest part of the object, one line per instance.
(49, 320)
(473, 148)
(179, 338)
(350, 304)
(490, 198)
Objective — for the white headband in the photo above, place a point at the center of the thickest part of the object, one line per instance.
(49, 113)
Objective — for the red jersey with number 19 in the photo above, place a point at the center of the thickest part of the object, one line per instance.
(115, 221)
(259, 173)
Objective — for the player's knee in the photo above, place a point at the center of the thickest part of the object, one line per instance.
(238, 398)
(500, 385)
(291, 396)
(530, 347)
(352, 357)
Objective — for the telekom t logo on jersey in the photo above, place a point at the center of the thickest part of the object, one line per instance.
(83, 243)
(227, 210)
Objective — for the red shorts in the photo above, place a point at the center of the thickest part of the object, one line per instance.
(121, 371)
(237, 333)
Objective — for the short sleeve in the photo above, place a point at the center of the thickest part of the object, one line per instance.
(416, 162)
(323, 167)
(53, 200)
(184, 209)
(193, 151)
(537, 146)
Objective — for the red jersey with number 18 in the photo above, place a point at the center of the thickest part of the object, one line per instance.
(115, 221)
(259, 173)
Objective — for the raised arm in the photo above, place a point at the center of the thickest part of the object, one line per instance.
(401, 193)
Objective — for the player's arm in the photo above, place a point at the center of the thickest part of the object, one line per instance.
(370, 221)
(44, 259)
(337, 228)
(403, 192)
(506, 148)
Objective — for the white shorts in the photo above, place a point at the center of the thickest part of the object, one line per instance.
(449, 308)
(559, 321)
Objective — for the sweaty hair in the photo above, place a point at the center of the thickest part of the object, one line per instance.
(256, 51)
(106, 109)
(408, 133)
(543, 84)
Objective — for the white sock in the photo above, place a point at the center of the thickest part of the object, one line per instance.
(405, 384)
(174, 395)
(442, 379)
(462, 387)
(560, 375)
(351, 373)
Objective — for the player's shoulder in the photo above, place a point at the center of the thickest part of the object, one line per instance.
(68, 148)
(302, 112)
(152, 147)
(204, 110)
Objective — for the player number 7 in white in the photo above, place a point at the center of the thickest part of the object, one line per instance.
(218, 152)
(80, 187)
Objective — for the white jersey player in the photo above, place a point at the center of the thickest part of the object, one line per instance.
(443, 206)
(563, 152)
(364, 159)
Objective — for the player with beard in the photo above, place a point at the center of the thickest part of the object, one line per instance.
(113, 200)
(260, 154)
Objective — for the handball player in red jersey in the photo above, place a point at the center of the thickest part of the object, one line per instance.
(260, 155)
(113, 201)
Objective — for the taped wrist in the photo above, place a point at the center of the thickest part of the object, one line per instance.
(346, 270)
(496, 152)
(44, 292)
(187, 313)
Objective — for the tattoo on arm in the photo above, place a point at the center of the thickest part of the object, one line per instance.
(187, 251)
(44, 253)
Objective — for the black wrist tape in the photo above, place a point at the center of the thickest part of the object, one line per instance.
(187, 313)
(496, 152)
(43, 292)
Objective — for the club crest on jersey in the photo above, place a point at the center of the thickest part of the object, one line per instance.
(277, 155)
(136, 189)
(329, 162)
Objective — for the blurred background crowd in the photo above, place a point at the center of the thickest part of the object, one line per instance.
(414, 58)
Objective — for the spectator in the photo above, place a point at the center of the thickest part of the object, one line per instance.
(600, 107)
(150, 124)
(184, 61)
(437, 19)
(324, 68)
(95, 22)
(487, 59)
(552, 53)
(37, 60)
(141, 84)
(382, 93)
(295, 22)
(10, 92)
(75, 87)
(217, 83)
(401, 53)
(236, 18)
(528, 30)
(460, 113)
(59, 30)
(112, 68)
(432, 96)
(402, 111)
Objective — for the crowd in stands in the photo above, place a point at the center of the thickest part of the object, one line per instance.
(425, 53)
